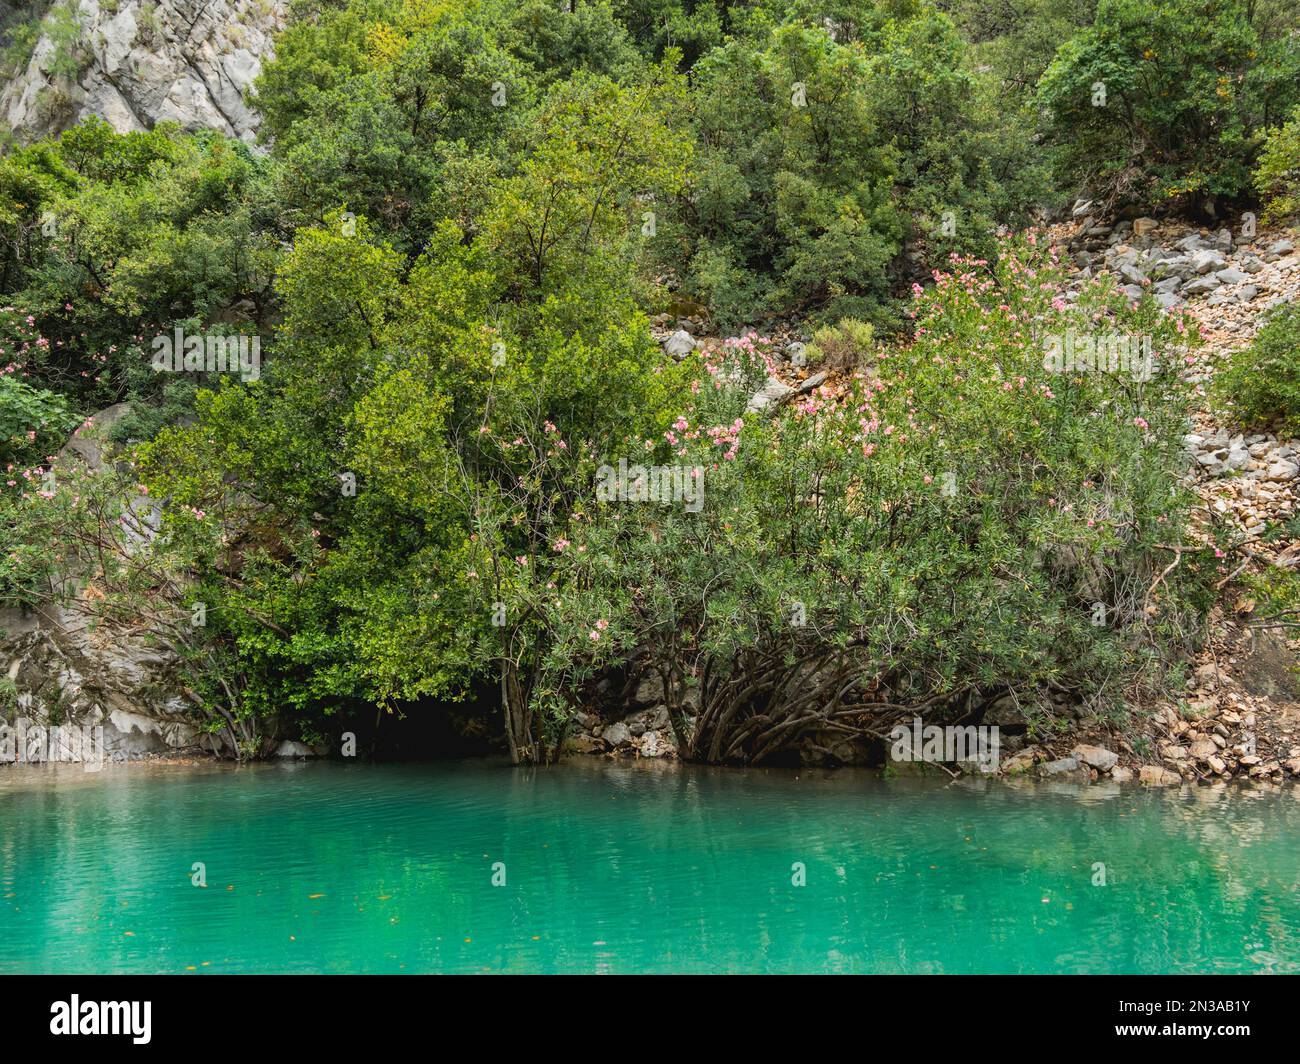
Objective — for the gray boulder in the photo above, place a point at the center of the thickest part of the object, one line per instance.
(1065, 768)
(680, 344)
(1208, 261)
(1201, 286)
(812, 383)
(773, 391)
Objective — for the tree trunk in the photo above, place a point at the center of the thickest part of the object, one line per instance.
(514, 713)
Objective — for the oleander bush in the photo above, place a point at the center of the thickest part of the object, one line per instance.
(964, 522)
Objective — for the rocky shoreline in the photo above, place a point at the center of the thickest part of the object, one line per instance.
(1240, 715)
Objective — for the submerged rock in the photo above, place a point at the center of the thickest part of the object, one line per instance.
(1156, 776)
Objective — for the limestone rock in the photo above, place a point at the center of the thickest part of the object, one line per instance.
(1021, 762)
(650, 690)
(680, 344)
(141, 63)
(585, 744)
(1156, 776)
(1065, 768)
(773, 391)
(653, 744)
(813, 382)
(1207, 261)
(1097, 757)
(291, 749)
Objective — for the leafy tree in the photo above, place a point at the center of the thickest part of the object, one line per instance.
(115, 238)
(428, 390)
(819, 156)
(1168, 100)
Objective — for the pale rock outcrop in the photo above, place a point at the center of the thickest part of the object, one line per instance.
(140, 63)
(61, 668)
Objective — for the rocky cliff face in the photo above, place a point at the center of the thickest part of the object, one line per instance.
(57, 668)
(136, 63)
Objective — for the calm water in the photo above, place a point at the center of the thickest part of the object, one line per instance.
(621, 868)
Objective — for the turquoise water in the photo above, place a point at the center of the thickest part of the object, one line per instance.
(629, 868)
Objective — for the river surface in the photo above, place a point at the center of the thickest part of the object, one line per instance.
(634, 868)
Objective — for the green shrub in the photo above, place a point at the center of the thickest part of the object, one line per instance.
(1167, 99)
(966, 522)
(1260, 386)
(32, 421)
(1277, 178)
(841, 347)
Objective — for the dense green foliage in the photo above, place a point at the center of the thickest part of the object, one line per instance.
(449, 250)
(1260, 386)
(110, 239)
(820, 156)
(1278, 176)
(952, 524)
(1167, 99)
(823, 143)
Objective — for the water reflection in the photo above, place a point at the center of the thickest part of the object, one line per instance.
(625, 866)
